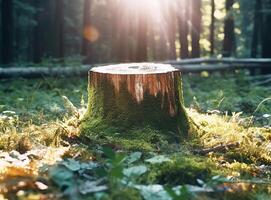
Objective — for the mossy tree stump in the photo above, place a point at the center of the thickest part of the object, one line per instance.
(131, 96)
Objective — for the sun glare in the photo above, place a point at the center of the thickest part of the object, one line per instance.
(150, 8)
(142, 3)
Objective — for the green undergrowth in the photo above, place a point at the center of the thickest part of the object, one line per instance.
(182, 169)
(231, 92)
(227, 109)
(142, 139)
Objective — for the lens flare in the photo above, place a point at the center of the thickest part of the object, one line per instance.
(91, 33)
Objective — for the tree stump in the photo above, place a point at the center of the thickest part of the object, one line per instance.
(130, 96)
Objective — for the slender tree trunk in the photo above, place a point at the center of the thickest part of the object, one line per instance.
(7, 31)
(18, 33)
(123, 40)
(183, 28)
(132, 34)
(87, 49)
(123, 52)
(229, 36)
(37, 32)
(47, 36)
(152, 41)
(114, 6)
(256, 28)
(171, 16)
(59, 29)
(196, 27)
(141, 55)
(266, 40)
(212, 28)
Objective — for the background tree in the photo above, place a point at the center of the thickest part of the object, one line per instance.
(257, 28)
(266, 39)
(171, 19)
(86, 50)
(183, 28)
(59, 29)
(212, 28)
(229, 35)
(37, 31)
(195, 27)
(123, 39)
(141, 52)
(7, 31)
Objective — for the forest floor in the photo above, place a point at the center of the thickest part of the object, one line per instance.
(42, 155)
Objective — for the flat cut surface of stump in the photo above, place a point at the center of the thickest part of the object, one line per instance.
(137, 95)
(135, 68)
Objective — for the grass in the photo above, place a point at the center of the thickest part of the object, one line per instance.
(36, 121)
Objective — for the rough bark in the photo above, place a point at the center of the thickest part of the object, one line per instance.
(137, 95)
(7, 31)
(196, 27)
(229, 35)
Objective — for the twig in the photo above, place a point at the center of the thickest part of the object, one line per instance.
(219, 148)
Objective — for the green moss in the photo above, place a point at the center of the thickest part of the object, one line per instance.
(134, 139)
(238, 156)
(117, 118)
(182, 169)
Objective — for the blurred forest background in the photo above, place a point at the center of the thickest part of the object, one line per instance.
(102, 31)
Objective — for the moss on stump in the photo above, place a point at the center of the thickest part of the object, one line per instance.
(125, 100)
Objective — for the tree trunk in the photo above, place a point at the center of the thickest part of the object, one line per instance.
(86, 50)
(37, 32)
(256, 28)
(229, 36)
(7, 31)
(196, 27)
(123, 40)
(212, 28)
(59, 29)
(152, 41)
(131, 96)
(142, 38)
(266, 40)
(183, 28)
(44, 35)
(171, 16)
(114, 26)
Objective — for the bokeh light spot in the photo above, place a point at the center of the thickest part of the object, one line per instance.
(91, 33)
